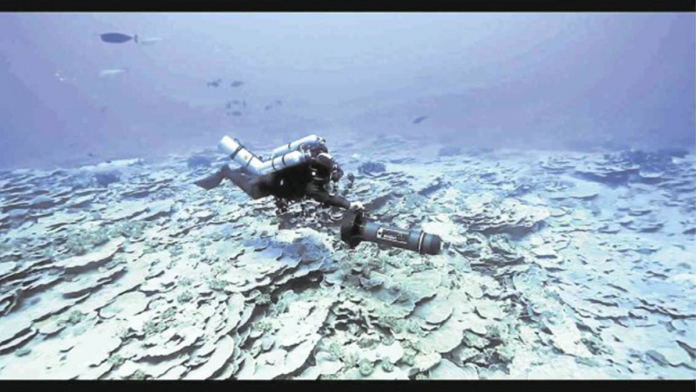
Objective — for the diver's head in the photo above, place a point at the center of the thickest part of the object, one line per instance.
(317, 149)
(324, 160)
(328, 166)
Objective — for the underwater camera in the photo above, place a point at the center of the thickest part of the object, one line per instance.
(355, 228)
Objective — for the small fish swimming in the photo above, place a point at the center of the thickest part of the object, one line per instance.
(118, 38)
(111, 72)
(419, 119)
(268, 107)
(236, 113)
(236, 83)
(215, 83)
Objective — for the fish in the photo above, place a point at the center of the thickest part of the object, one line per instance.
(215, 83)
(118, 38)
(236, 83)
(236, 113)
(419, 119)
(111, 72)
(268, 107)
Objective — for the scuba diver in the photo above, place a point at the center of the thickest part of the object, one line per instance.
(294, 172)
(304, 169)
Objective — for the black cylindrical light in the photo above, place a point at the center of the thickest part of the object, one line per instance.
(355, 229)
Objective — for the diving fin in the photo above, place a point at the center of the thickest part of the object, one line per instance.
(211, 181)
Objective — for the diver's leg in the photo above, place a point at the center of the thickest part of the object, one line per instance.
(254, 186)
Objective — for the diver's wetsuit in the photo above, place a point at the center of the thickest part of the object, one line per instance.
(293, 183)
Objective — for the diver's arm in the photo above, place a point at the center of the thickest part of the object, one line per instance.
(337, 201)
(320, 195)
(337, 173)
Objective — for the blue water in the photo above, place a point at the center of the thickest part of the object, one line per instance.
(529, 81)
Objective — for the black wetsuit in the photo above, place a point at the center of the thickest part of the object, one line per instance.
(291, 184)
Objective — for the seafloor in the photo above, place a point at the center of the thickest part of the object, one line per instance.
(557, 265)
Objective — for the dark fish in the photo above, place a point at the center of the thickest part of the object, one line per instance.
(215, 83)
(118, 38)
(236, 113)
(229, 105)
(278, 102)
(419, 119)
(236, 83)
(236, 102)
(268, 107)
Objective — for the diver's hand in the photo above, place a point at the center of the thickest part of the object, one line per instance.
(356, 206)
